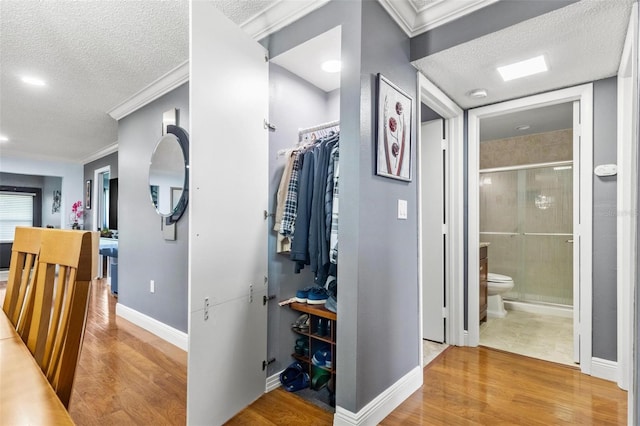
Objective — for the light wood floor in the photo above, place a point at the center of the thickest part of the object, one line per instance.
(478, 386)
(127, 376)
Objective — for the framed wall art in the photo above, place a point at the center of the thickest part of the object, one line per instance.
(87, 194)
(393, 134)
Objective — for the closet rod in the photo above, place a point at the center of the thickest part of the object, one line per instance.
(319, 127)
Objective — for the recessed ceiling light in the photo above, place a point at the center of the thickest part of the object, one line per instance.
(522, 127)
(3, 138)
(331, 66)
(523, 68)
(34, 81)
(478, 93)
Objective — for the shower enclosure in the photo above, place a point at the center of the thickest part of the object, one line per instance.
(526, 213)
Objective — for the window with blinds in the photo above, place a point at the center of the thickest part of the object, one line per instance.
(16, 209)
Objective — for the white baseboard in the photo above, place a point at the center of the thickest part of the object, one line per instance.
(556, 311)
(152, 325)
(604, 369)
(375, 411)
(273, 382)
(4, 275)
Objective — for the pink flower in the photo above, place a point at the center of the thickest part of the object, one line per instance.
(76, 210)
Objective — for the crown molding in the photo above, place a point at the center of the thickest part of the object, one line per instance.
(415, 22)
(34, 156)
(174, 78)
(110, 149)
(278, 16)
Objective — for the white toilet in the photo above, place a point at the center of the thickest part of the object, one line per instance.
(497, 285)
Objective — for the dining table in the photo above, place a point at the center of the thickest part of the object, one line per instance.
(26, 397)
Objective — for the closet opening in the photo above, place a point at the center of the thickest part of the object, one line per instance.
(304, 108)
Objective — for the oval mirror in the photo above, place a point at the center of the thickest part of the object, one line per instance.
(168, 174)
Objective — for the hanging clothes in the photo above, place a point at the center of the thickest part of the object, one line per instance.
(283, 244)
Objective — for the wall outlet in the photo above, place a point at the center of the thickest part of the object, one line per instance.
(152, 286)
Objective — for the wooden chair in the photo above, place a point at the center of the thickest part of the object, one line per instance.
(59, 303)
(22, 276)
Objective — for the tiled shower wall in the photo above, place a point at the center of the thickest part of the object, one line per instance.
(529, 149)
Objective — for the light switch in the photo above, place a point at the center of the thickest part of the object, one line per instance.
(402, 209)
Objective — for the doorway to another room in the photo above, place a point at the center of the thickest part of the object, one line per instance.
(530, 201)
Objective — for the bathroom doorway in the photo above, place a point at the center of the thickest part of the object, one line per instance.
(530, 198)
(526, 223)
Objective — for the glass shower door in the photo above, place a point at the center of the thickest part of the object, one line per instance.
(526, 214)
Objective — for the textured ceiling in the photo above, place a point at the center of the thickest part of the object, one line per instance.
(93, 55)
(582, 42)
(241, 11)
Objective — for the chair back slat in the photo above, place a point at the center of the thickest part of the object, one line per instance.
(59, 302)
(24, 255)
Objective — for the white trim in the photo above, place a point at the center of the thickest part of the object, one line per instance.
(534, 308)
(582, 230)
(152, 325)
(626, 201)
(164, 84)
(102, 153)
(604, 369)
(414, 22)
(380, 407)
(94, 196)
(438, 101)
(278, 16)
(273, 382)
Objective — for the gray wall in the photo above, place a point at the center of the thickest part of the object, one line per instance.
(378, 341)
(143, 253)
(388, 314)
(110, 160)
(293, 104)
(604, 221)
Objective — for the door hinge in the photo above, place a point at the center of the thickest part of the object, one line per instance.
(267, 362)
(206, 308)
(445, 312)
(267, 125)
(265, 298)
(445, 229)
(444, 144)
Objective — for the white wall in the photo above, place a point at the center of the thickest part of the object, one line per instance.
(71, 174)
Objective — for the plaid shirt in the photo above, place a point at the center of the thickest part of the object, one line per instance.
(291, 201)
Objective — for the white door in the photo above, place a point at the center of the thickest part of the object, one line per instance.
(432, 188)
(228, 248)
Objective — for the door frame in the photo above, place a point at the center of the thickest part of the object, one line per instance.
(453, 115)
(627, 254)
(582, 227)
(95, 195)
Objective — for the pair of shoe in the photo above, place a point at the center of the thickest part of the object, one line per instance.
(315, 295)
(322, 358)
(301, 324)
(294, 377)
(302, 346)
(319, 378)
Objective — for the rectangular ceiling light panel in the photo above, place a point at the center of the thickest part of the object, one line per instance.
(523, 68)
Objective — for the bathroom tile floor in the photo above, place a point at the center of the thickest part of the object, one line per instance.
(431, 350)
(538, 336)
